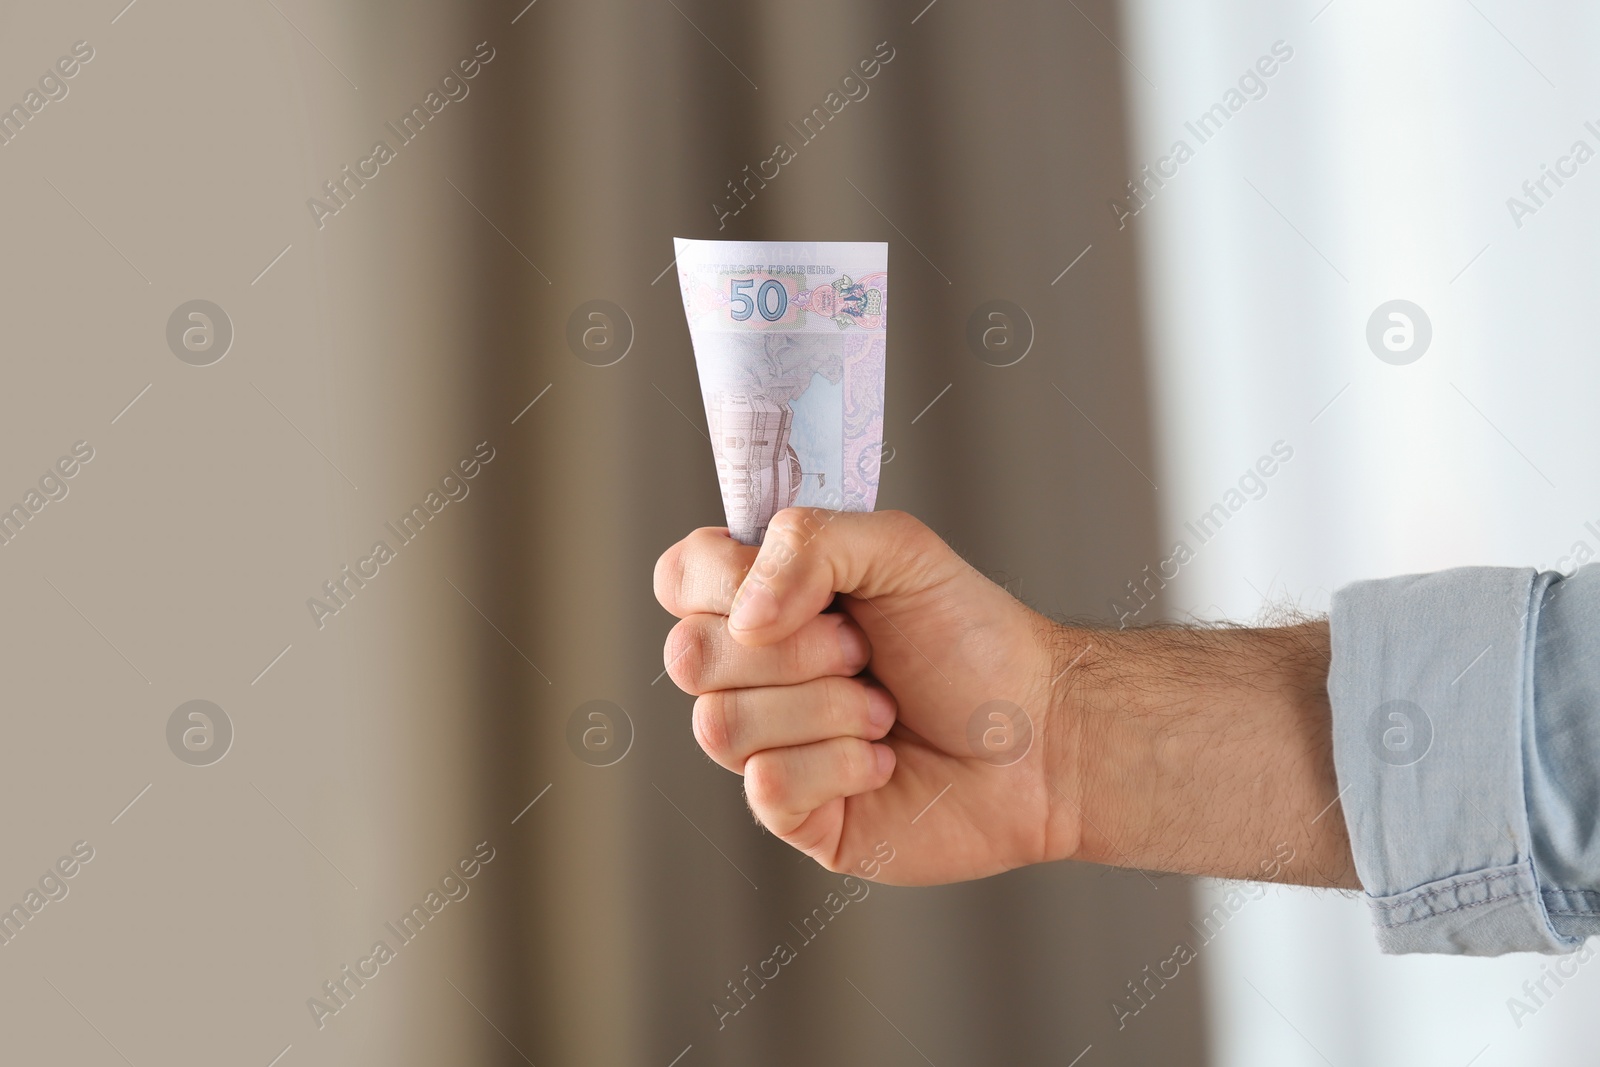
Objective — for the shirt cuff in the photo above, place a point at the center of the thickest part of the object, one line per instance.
(1432, 685)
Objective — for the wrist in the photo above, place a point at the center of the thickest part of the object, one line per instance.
(1074, 742)
(1201, 751)
(1097, 747)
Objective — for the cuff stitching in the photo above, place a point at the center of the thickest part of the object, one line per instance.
(1519, 895)
(1411, 899)
(1560, 901)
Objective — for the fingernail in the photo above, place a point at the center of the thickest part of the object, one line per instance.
(853, 643)
(885, 756)
(880, 708)
(756, 607)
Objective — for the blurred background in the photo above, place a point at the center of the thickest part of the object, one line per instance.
(258, 343)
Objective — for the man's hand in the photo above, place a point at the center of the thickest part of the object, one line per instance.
(835, 760)
(875, 722)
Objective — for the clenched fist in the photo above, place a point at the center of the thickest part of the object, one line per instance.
(852, 670)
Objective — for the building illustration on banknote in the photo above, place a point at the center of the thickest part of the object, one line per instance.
(757, 467)
(790, 352)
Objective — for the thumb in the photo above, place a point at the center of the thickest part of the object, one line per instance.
(810, 554)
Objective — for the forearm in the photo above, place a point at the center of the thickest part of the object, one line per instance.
(1204, 751)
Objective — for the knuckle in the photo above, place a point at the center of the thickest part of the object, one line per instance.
(668, 578)
(799, 526)
(693, 569)
(688, 656)
(766, 782)
(788, 532)
(712, 721)
(787, 523)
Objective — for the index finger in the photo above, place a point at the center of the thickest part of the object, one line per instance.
(700, 574)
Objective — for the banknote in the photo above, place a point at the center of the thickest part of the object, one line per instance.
(789, 343)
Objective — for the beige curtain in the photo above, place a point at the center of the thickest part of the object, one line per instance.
(984, 153)
(378, 746)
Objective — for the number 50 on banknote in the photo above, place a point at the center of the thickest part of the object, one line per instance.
(789, 342)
